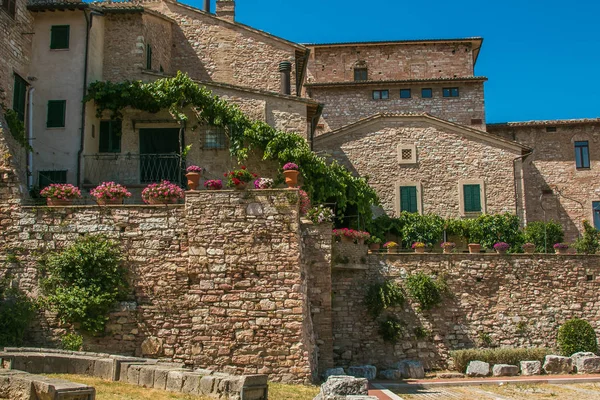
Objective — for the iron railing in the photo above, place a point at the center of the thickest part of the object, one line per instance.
(133, 169)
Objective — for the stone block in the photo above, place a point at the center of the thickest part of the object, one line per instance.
(586, 363)
(390, 374)
(333, 372)
(80, 365)
(152, 346)
(133, 374)
(174, 381)
(557, 365)
(505, 370)
(104, 368)
(478, 369)
(207, 384)
(191, 383)
(449, 375)
(146, 376)
(160, 378)
(363, 371)
(531, 368)
(344, 386)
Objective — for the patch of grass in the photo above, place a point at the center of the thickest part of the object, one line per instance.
(106, 390)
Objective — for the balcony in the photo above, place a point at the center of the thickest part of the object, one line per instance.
(132, 169)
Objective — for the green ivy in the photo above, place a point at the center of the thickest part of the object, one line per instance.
(425, 290)
(84, 281)
(411, 227)
(391, 329)
(72, 341)
(381, 296)
(324, 182)
(17, 128)
(16, 313)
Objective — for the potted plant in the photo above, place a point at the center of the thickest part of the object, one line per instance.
(418, 247)
(374, 243)
(263, 183)
(60, 194)
(362, 236)
(474, 248)
(501, 247)
(320, 214)
(347, 235)
(193, 176)
(239, 178)
(392, 247)
(528, 248)
(448, 247)
(214, 184)
(561, 248)
(110, 193)
(164, 192)
(304, 202)
(290, 170)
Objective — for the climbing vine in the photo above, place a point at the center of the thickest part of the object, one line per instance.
(325, 182)
(380, 296)
(16, 127)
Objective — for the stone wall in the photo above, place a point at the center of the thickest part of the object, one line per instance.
(515, 300)
(391, 61)
(218, 283)
(555, 188)
(445, 157)
(124, 47)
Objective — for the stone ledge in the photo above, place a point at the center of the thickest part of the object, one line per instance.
(22, 385)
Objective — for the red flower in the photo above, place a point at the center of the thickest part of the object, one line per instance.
(225, 175)
(243, 167)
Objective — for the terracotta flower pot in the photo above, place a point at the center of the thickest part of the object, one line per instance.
(474, 248)
(212, 188)
(529, 250)
(116, 200)
(291, 178)
(346, 239)
(448, 250)
(501, 251)
(193, 180)
(58, 202)
(374, 246)
(561, 251)
(392, 250)
(420, 250)
(241, 186)
(155, 201)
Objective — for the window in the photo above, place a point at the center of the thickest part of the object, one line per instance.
(408, 199)
(10, 6)
(450, 92)
(405, 93)
(582, 154)
(407, 153)
(148, 56)
(596, 211)
(46, 178)
(381, 94)
(110, 137)
(19, 97)
(472, 198)
(550, 129)
(214, 138)
(361, 74)
(56, 114)
(59, 37)
(427, 93)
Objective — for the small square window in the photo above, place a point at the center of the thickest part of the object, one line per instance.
(407, 153)
(476, 121)
(361, 74)
(56, 114)
(550, 129)
(381, 94)
(427, 93)
(582, 154)
(405, 93)
(450, 92)
(214, 138)
(59, 37)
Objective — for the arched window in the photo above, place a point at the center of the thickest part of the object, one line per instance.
(361, 72)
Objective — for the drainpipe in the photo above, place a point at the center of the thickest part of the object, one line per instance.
(30, 137)
(515, 182)
(88, 24)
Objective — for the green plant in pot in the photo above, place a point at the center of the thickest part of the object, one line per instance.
(374, 243)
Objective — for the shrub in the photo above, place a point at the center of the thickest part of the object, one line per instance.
(383, 295)
(544, 235)
(425, 290)
(16, 313)
(84, 281)
(391, 329)
(500, 355)
(576, 335)
(589, 243)
(72, 341)
(427, 229)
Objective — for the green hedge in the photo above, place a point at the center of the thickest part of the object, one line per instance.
(500, 355)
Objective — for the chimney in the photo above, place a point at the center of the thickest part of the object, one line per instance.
(207, 6)
(285, 67)
(226, 9)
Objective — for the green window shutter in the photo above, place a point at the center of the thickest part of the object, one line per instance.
(56, 113)
(148, 56)
(472, 198)
(19, 97)
(408, 199)
(59, 36)
(110, 137)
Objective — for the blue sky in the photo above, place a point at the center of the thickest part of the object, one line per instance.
(542, 57)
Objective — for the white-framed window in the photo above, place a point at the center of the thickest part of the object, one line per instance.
(407, 153)
(471, 197)
(409, 197)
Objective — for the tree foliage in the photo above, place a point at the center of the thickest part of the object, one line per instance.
(576, 335)
(589, 242)
(16, 313)
(544, 235)
(325, 182)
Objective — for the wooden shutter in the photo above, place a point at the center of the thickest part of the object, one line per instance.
(148, 57)
(408, 199)
(56, 114)
(472, 198)
(19, 97)
(59, 36)
(110, 137)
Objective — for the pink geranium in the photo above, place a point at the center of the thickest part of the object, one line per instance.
(110, 191)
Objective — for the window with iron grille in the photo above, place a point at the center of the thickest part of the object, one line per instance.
(10, 6)
(407, 153)
(361, 74)
(214, 138)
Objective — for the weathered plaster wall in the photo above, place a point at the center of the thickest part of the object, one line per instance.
(518, 300)
(346, 105)
(552, 167)
(219, 282)
(391, 61)
(443, 159)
